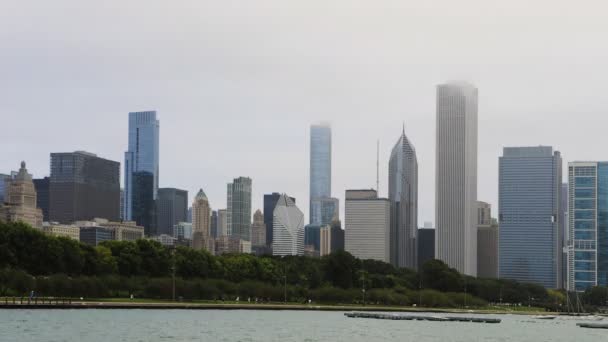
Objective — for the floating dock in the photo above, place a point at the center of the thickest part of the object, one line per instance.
(593, 325)
(395, 317)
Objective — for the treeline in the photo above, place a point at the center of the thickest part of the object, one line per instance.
(56, 266)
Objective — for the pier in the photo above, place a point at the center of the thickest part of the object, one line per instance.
(394, 317)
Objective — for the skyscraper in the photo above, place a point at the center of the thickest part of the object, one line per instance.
(403, 195)
(367, 228)
(43, 192)
(20, 200)
(171, 209)
(214, 224)
(270, 202)
(239, 208)
(288, 228)
(529, 191)
(426, 245)
(222, 223)
(320, 169)
(82, 187)
(588, 225)
(201, 221)
(487, 242)
(141, 170)
(456, 177)
(258, 230)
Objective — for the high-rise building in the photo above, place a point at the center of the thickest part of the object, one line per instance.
(312, 237)
(20, 200)
(403, 195)
(222, 222)
(183, 231)
(201, 219)
(320, 169)
(239, 208)
(588, 225)
(141, 170)
(122, 204)
(331, 238)
(4, 178)
(529, 191)
(43, 189)
(213, 229)
(330, 209)
(83, 187)
(288, 228)
(456, 177)
(270, 202)
(565, 234)
(171, 208)
(487, 242)
(367, 228)
(258, 230)
(426, 246)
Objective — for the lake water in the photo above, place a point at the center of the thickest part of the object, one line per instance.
(270, 326)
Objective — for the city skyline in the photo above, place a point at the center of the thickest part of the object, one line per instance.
(283, 75)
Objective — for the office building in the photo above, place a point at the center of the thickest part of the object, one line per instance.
(122, 231)
(183, 231)
(62, 230)
(43, 189)
(426, 245)
(403, 195)
(165, 240)
(258, 230)
(456, 177)
(222, 223)
(270, 202)
(122, 204)
(312, 236)
(288, 229)
(171, 208)
(4, 178)
(565, 234)
(487, 242)
(367, 226)
(201, 222)
(529, 191)
(82, 187)
(141, 170)
(20, 200)
(213, 224)
(230, 244)
(330, 209)
(331, 238)
(320, 170)
(239, 208)
(95, 235)
(588, 225)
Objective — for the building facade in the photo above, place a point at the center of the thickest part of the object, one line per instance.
(367, 226)
(95, 235)
(20, 200)
(222, 222)
(529, 191)
(239, 208)
(43, 189)
(258, 230)
(213, 228)
(270, 202)
(288, 229)
(426, 246)
(331, 238)
(456, 177)
(201, 222)
(403, 195)
(587, 264)
(142, 170)
(320, 170)
(487, 242)
(82, 187)
(183, 231)
(312, 237)
(171, 208)
(63, 230)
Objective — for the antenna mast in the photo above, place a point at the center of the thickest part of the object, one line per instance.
(378, 167)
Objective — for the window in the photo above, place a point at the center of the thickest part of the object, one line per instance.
(584, 225)
(584, 193)
(584, 214)
(584, 182)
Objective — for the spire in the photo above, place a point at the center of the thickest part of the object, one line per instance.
(403, 128)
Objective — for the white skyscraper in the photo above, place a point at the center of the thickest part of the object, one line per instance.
(288, 228)
(456, 177)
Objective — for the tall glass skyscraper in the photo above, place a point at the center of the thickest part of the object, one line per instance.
(239, 208)
(456, 177)
(320, 170)
(141, 170)
(529, 211)
(588, 225)
(403, 195)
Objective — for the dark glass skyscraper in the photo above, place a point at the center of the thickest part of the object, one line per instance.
(270, 202)
(42, 186)
(239, 208)
(141, 170)
(426, 246)
(172, 208)
(83, 186)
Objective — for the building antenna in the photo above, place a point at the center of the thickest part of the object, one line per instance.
(378, 167)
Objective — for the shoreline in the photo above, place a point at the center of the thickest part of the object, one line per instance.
(109, 305)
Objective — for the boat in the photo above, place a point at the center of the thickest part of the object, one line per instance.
(545, 317)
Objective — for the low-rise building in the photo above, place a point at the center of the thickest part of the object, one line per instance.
(94, 235)
(231, 244)
(65, 230)
(165, 240)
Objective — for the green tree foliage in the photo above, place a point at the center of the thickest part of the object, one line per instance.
(31, 260)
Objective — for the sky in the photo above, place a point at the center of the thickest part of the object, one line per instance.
(237, 84)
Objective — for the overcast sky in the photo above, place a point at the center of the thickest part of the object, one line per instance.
(237, 84)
